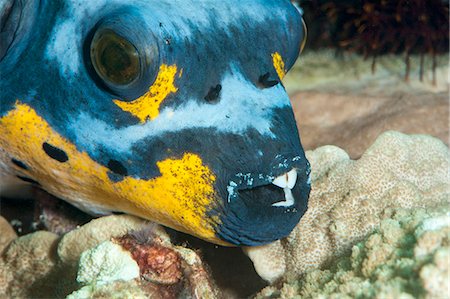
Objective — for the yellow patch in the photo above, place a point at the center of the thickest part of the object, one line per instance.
(179, 198)
(147, 106)
(278, 64)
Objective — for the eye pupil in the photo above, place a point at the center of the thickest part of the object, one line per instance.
(114, 58)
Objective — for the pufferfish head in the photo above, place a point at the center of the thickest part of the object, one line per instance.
(171, 110)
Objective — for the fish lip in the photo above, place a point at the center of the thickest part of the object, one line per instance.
(242, 226)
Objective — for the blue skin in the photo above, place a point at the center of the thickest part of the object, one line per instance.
(224, 42)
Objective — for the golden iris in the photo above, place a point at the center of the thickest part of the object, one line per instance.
(115, 59)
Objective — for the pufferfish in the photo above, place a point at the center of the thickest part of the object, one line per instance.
(170, 110)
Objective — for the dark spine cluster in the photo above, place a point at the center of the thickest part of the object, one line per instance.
(377, 27)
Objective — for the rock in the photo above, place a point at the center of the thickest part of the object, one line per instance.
(26, 263)
(95, 232)
(7, 234)
(353, 120)
(386, 264)
(349, 199)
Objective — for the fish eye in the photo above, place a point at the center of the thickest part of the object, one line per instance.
(305, 35)
(115, 59)
(122, 58)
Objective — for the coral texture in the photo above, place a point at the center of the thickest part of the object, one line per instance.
(407, 257)
(115, 290)
(350, 198)
(106, 263)
(7, 233)
(25, 264)
(110, 257)
(94, 233)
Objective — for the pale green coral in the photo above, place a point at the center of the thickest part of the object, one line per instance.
(106, 271)
(106, 263)
(407, 257)
(115, 290)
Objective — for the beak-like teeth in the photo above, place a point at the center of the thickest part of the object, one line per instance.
(286, 180)
(289, 199)
(292, 178)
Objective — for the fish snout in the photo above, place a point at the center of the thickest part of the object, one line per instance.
(264, 207)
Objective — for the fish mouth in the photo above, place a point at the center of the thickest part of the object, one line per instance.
(262, 208)
(281, 186)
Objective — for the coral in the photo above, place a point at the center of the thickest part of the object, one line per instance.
(350, 198)
(270, 269)
(404, 258)
(26, 263)
(142, 264)
(94, 233)
(115, 290)
(106, 263)
(7, 234)
(117, 256)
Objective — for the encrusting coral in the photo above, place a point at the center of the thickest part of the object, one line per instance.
(106, 263)
(26, 263)
(7, 233)
(118, 256)
(407, 257)
(350, 198)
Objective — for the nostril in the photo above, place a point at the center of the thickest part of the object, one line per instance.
(213, 93)
(264, 81)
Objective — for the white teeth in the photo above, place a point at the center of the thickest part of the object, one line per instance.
(286, 180)
(292, 178)
(281, 181)
(289, 199)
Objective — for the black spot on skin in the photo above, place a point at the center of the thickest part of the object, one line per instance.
(117, 167)
(28, 180)
(265, 81)
(213, 93)
(55, 153)
(19, 164)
